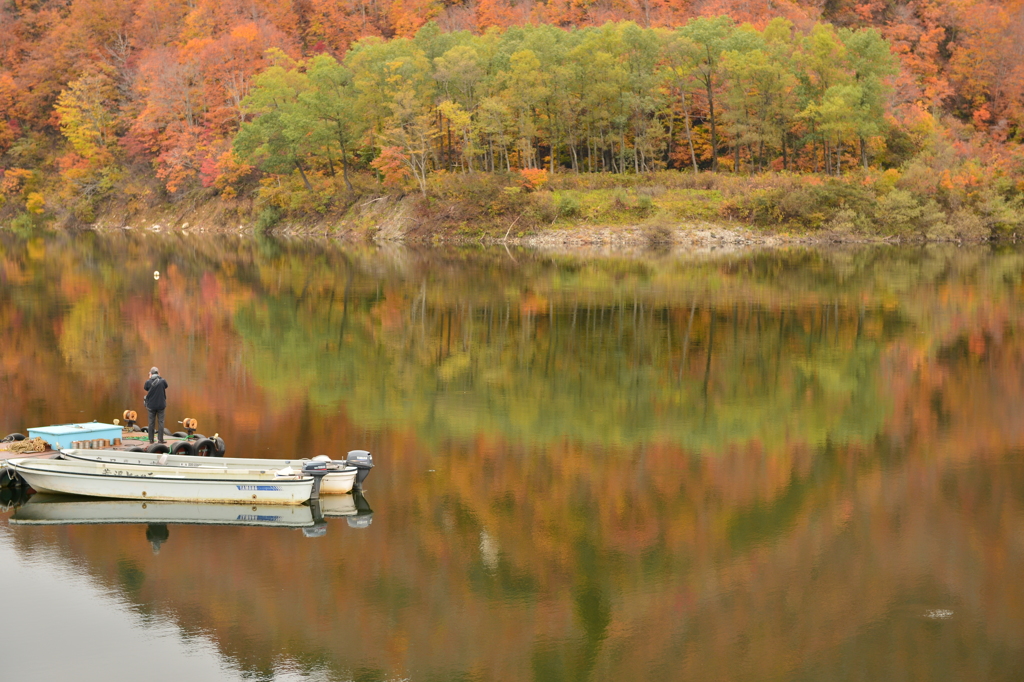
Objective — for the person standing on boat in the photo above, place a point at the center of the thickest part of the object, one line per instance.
(156, 403)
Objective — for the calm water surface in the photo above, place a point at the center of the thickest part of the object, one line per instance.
(797, 465)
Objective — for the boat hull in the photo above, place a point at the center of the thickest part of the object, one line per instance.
(45, 510)
(137, 484)
(334, 483)
(339, 483)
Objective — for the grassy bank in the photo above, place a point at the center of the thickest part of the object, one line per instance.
(654, 207)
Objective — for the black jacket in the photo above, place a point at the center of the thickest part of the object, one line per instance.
(156, 395)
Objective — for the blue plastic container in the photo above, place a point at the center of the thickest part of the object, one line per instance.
(62, 435)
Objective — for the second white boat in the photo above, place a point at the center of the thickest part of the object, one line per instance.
(344, 475)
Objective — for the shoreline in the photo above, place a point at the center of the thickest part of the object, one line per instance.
(694, 238)
(664, 212)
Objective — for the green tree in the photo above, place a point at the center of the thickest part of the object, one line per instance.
(872, 63)
(710, 36)
(822, 61)
(332, 100)
(678, 73)
(759, 96)
(525, 88)
(283, 132)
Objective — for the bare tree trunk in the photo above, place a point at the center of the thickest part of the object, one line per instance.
(671, 135)
(450, 154)
(344, 168)
(330, 161)
(440, 138)
(714, 129)
(689, 136)
(305, 180)
(420, 171)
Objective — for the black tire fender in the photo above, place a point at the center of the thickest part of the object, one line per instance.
(137, 449)
(221, 447)
(183, 447)
(179, 434)
(157, 447)
(205, 448)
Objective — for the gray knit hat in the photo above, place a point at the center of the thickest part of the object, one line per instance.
(154, 370)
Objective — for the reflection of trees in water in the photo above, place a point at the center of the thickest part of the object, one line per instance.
(857, 405)
(622, 372)
(766, 347)
(860, 562)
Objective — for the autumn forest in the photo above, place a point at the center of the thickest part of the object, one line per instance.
(877, 117)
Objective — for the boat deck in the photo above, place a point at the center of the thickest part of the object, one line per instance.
(129, 440)
(7, 453)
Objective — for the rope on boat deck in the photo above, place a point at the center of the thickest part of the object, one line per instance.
(28, 446)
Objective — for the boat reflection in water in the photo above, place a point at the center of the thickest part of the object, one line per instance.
(53, 510)
(354, 508)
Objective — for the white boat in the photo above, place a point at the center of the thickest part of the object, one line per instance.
(47, 510)
(354, 508)
(208, 483)
(339, 481)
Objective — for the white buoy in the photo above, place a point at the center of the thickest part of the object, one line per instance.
(162, 459)
(156, 274)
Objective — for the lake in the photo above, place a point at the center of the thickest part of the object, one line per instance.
(787, 465)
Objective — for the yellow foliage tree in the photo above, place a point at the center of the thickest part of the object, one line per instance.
(35, 203)
(87, 119)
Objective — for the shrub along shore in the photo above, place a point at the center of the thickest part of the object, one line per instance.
(618, 209)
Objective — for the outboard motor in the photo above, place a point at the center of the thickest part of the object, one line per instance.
(317, 470)
(319, 527)
(364, 514)
(317, 530)
(362, 460)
